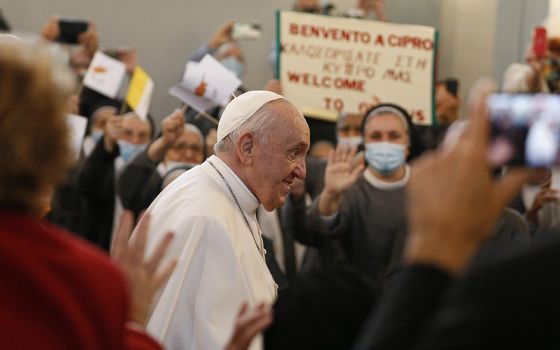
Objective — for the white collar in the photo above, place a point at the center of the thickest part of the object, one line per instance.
(248, 202)
(386, 185)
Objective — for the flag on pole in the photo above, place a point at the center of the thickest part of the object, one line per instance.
(77, 129)
(140, 91)
(105, 75)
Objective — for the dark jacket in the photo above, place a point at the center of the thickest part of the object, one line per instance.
(511, 304)
(321, 251)
(96, 181)
(139, 183)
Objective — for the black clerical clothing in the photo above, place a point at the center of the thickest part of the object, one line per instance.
(511, 304)
(96, 182)
(139, 183)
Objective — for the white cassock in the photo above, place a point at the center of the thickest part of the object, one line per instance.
(220, 265)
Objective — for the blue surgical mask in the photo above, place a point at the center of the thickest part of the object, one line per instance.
(96, 135)
(234, 65)
(352, 141)
(129, 150)
(385, 157)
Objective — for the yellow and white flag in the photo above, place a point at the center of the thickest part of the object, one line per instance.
(140, 91)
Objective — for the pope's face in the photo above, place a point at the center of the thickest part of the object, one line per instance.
(281, 159)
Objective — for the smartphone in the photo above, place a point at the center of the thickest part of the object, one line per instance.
(246, 30)
(525, 130)
(70, 29)
(539, 42)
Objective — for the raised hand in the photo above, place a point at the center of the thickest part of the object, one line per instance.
(112, 133)
(248, 324)
(453, 202)
(223, 35)
(145, 277)
(341, 173)
(545, 195)
(537, 67)
(172, 127)
(90, 39)
(51, 30)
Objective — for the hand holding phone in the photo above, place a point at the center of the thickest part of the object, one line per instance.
(539, 42)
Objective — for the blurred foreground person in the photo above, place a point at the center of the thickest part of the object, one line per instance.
(57, 292)
(262, 140)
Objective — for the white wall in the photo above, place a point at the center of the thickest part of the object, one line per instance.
(467, 40)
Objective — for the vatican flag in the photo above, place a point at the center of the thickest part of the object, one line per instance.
(140, 91)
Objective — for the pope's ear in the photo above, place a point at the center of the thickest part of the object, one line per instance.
(245, 147)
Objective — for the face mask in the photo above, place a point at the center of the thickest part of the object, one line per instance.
(385, 157)
(96, 135)
(128, 150)
(352, 141)
(234, 65)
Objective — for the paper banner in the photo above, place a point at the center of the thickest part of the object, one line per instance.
(77, 129)
(329, 65)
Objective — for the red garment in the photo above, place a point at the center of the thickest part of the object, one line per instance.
(57, 292)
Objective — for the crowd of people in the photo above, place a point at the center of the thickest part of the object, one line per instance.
(185, 234)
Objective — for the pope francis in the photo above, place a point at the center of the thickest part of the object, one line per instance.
(262, 140)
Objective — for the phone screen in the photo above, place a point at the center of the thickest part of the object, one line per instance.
(539, 42)
(525, 129)
(70, 29)
(246, 30)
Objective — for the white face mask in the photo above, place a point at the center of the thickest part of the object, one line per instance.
(349, 142)
(385, 157)
(129, 150)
